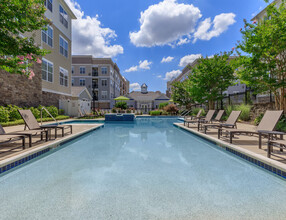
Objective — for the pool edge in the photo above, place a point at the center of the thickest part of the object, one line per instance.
(268, 164)
(15, 161)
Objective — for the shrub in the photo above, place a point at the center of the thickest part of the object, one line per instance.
(281, 125)
(13, 112)
(128, 111)
(155, 112)
(53, 111)
(61, 112)
(36, 112)
(258, 119)
(4, 114)
(196, 110)
(121, 105)
(44, 113)
(171, 108)
(113, 110)
(228, 110)
(163, 105)
(245, 111)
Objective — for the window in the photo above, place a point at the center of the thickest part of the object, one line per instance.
(63, 17)
(94, 71)
(72, 82)
(104, 70)
(49, 5)
(104, 82)
(82, 70)
(64, 74)
(104, 94)
(47, 70)
(47, 36)
(72, 69)
(82, 82)
(64, 47)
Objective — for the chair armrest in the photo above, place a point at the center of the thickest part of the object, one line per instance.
(226, 125)
(271, 132)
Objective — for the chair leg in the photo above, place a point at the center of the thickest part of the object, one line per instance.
(71, 129)
(23, 143)
(30, 140)
(63, 131)
(259, 143)
(230, 137)
(268, 150)
(47, 135)
(218, 133)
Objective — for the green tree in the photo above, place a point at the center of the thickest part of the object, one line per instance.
(181, 93)
(264, 42)
(16, 18)
(211, 77)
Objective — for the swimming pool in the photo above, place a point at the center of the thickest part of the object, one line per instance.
(148, 169)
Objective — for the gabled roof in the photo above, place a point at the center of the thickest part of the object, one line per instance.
(76, 91)
(162, 97)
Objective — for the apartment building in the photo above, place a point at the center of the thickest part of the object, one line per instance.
(52, 80)
(236, 89)
(183, 76)
(102, 78)
(56, 66)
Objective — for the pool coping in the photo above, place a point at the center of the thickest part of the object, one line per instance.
(268, 164)
(14, 161)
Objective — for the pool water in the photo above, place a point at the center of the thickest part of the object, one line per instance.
(149, 169)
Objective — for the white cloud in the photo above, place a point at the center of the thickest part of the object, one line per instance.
(188, 59)
(165, 23)
(167, 59)
(208, 29)
(183, 41)
(89, 37)
(135, 87)
(172, 74)
(145, 65)
(159, 76)
(132, 69)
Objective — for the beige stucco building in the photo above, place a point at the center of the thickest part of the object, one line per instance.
(53, 77)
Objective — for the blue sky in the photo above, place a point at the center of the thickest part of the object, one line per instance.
(138, 34)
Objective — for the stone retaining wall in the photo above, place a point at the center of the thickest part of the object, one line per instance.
(18, 90)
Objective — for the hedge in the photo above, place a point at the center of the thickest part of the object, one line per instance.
(21, 121)
(10, 113)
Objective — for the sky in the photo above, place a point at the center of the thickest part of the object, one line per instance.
(153, 40)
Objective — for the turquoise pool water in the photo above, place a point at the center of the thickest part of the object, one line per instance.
(143, 170)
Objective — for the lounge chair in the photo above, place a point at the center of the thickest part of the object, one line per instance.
(28, 134)
(230, 122)
(218, 117)
(199, 121)
(190, 117)
(32, 124)
(281, 144)
(7, 138)
(265, 127)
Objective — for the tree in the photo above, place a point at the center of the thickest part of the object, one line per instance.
(16, 18)
(211, 77)
(181, 93)
(264, 66)
(121, 105)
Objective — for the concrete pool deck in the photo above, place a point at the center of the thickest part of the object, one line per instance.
(247, 145)
(12, 152)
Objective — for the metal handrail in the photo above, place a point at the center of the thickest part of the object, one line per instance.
(48, 113)
(186, 113)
